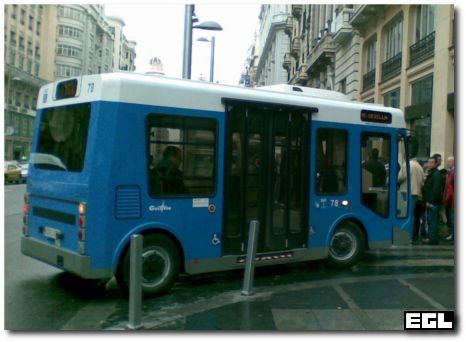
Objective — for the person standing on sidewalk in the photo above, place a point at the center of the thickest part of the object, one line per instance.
(417, 181)
(432, 195)
(449, 198)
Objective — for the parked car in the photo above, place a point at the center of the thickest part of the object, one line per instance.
(24, 172)
(12, 172)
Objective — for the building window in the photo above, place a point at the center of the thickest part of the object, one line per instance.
(425, 21)
(23, 17)
(31, 22)
(420, 113)
(392, 98)
(370, 55)
(394, 39)
(369, 77)
(66, 50)
(67, 71)
(68, 31)
(343, 86)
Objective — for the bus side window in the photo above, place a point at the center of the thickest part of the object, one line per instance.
(375, 171)
(331, 161)
(181, 156)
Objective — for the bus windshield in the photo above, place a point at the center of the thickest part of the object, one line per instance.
(63, 138)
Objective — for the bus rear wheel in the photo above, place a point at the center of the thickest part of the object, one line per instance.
(160, 266)
(346, 246)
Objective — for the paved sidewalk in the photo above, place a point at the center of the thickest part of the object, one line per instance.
(349, 304)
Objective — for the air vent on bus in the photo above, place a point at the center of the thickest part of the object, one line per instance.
(128, 202)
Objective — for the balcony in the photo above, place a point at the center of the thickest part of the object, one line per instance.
(302, 74)
(289, 25)
(368, 80)
(422, 50)
(296, 46)
(287, 61)
(341, 27)
(366, 16)
(391, 68)
(323, 54)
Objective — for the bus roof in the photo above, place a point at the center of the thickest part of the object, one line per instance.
(170, 92)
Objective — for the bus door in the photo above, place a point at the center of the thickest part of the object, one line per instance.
(266, 177)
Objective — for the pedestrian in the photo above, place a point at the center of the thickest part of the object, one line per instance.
(449, 198)
(432, 195)
(417, 181)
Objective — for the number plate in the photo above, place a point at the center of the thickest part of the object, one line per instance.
(52, 233)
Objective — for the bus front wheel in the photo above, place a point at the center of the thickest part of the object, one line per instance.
(346, 246)
(160, 266)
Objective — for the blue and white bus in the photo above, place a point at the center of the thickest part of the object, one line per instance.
(189, 164)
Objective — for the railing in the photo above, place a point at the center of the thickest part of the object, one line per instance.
(368, 80)
(391, 68)
(422, 50)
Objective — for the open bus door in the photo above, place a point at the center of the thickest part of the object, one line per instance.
(266, 177)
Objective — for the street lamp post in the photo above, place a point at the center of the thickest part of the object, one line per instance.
(188, 36)
(212, 55)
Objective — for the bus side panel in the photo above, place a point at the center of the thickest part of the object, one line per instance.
(327, 210)
(122, 194)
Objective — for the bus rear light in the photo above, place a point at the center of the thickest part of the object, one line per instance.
(26, 209)
(25, 230)
(25, 220)
(82, 221)
(26, 198)
(82, 208)
(82, 234)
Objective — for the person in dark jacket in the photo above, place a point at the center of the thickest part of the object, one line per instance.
(432, 195)
(169, 173)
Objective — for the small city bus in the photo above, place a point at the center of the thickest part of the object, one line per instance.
(188, 165)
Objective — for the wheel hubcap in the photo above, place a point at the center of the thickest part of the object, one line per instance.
(155, 267)
(343, 246)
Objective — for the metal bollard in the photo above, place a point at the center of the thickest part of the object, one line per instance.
(135, 280)
(250, 259)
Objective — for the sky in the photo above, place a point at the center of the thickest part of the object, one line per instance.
(158, 30)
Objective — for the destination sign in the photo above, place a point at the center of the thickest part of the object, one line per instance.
(374, 116)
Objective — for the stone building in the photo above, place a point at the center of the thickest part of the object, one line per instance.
(397, 55)
(44, 43)
(22, 60)
(407, 61)
(272, 45)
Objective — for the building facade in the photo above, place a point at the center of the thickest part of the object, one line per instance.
(44, 43)
(397, 55)
(124, 53)
(273, 44)
(22, 56)
(82, 40)
(407, 59)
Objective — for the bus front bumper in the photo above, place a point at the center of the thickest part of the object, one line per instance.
(63, 259)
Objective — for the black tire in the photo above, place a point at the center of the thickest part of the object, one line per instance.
(346, 246)
(160, 266)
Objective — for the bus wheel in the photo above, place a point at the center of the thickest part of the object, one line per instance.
(160, 266)
(346, 246)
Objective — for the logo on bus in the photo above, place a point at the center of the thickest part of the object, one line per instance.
(160, 208)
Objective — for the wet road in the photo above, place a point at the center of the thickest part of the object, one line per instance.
(305, 296)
